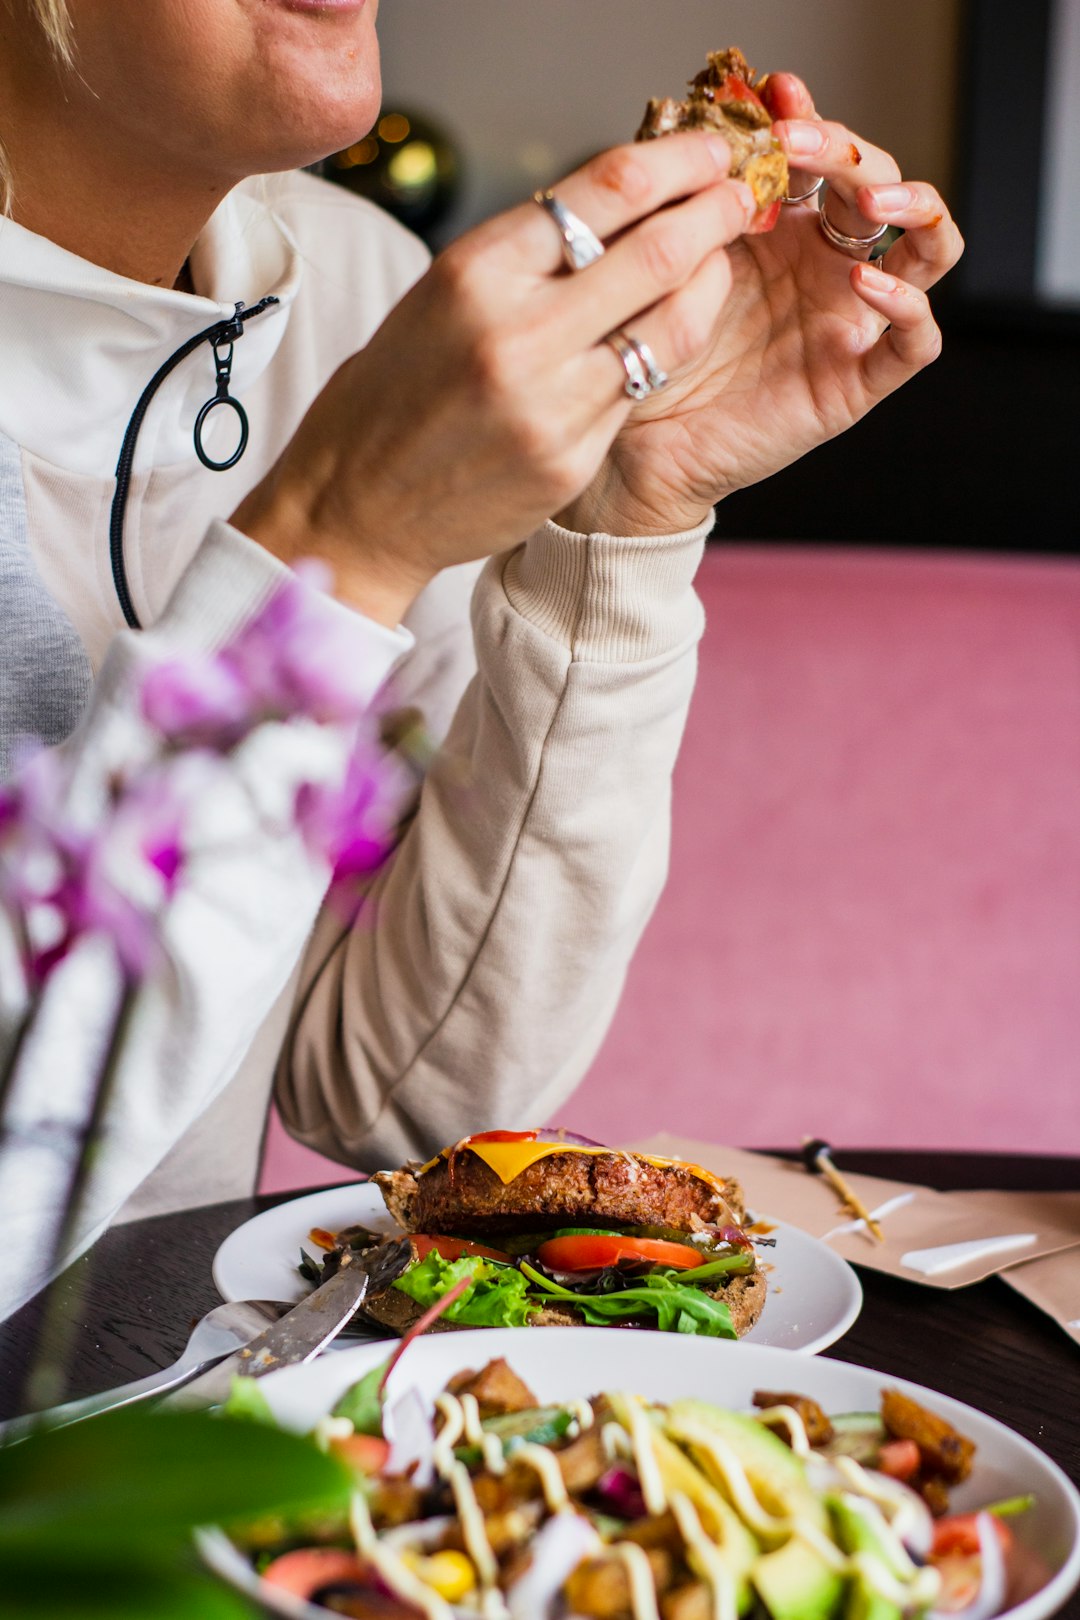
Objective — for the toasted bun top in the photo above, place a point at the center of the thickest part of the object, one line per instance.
(483, 1186)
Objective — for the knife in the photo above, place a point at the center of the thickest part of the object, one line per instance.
(306, 1330)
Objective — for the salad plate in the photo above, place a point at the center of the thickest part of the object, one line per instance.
(813, 1297)
(563, 1367)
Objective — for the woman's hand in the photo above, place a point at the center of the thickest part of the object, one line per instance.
(488, 399)
(807, 342)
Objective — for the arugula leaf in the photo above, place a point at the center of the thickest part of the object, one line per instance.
(499, 1296)
(362, 1404)
(679, 1307)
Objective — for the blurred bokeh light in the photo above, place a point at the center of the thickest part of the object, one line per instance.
(408, 165)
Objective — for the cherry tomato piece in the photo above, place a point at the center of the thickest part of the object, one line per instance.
(959, 1535)
(899, 1459)
(306, 1570)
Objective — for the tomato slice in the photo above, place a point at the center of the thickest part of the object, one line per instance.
(592, 1251)
(736, 89)
(500, 1136)
(452, 1248)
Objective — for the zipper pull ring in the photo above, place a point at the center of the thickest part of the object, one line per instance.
(222, 345)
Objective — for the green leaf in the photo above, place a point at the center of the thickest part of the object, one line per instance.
(679, 1307)
(247, 1403)
(130, 1483)
(122, 1593)
(362, 1404)
(498, 1297)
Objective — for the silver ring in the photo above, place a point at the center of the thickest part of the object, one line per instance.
(658, 377)
(580, 246)
(804, 196)
(637, 384)
(853, 246)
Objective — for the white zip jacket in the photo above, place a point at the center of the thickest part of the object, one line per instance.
(482, 975)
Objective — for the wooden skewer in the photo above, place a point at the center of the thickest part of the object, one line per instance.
(817, 1156)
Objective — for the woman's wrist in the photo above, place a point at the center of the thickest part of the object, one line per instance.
(608, 507)
(381, 587)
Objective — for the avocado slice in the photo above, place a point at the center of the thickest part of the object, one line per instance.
(737, 1547)
(863, 1533)
(776, 1475)
(797, 1582)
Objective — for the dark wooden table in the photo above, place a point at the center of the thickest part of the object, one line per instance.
(986, 1345)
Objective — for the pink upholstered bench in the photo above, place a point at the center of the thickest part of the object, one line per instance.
(871, 930)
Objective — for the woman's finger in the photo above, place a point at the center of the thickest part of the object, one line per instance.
(648, 264)
(913, 338)
(680, 329)
(786, 97)
(846, 161)
(932, 244)
(610, 193)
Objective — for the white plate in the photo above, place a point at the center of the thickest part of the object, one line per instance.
(584, 1361)
(813, 1298)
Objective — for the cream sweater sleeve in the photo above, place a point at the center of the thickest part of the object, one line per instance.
(477, 985)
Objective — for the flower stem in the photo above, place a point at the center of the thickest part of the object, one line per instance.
(47, 1379)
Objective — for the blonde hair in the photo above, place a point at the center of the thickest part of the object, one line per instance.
(54, 20)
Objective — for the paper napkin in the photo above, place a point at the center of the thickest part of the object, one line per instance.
(943, 1240)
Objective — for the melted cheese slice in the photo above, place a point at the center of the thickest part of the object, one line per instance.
(509, 1159)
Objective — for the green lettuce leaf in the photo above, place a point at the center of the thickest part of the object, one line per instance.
(499, 1296)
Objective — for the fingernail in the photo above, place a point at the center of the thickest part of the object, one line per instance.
(877, 280)
(893, 199)
(803, 138)
(720, 150)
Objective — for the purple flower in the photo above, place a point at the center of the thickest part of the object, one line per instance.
(63, 880)
(352, 826)
(198, 702)
(295, 659)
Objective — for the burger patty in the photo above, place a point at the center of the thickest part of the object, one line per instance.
(463, 1196)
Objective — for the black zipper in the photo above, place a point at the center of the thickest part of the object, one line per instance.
(221, 337)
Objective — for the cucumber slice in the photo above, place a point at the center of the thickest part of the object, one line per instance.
(859, 1435)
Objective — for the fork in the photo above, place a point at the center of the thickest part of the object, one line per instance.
(222, 1330)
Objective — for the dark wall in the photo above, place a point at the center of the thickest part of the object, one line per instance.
(982, 449)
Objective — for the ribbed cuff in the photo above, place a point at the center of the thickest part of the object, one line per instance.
(609, 599)
(231, 577)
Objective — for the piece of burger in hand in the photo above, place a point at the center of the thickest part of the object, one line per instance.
(725, 97)
(553, 1230)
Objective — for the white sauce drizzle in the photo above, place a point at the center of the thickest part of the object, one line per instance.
(583, 1414)
(648, 1469)
(331, 1428)
(475, 1433)
(734, 1476)
(772, 1416)
(615, 1441)
(705, 1558)
(360, 1525)
(473, 1529)
(899, 1513)
(546, 1465)
(639, 1573)
(450, 1410)
(397, 1575)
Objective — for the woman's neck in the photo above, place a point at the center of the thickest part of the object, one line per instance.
(99, 196)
